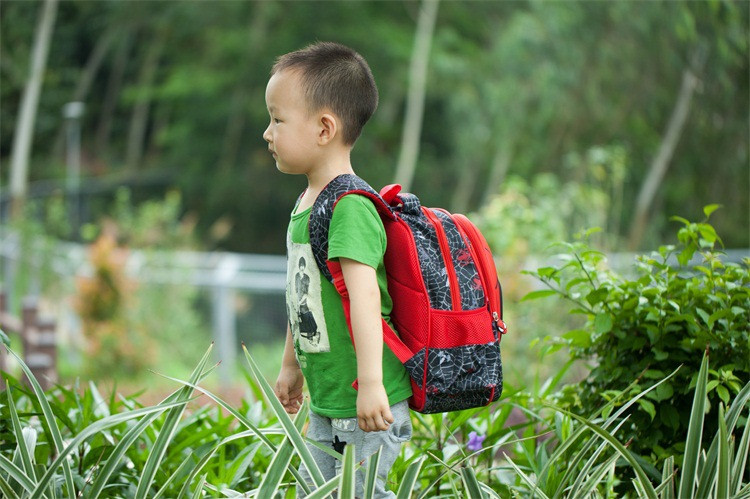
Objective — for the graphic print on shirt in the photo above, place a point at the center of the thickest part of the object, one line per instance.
(304, 304)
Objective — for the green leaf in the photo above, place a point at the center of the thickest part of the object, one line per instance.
(602, 323)
(348, 471)
(740, 460)
(722, 471)
(597, 296)
(535, 295)
(199, 488)
(26, 456)
(471, 484)
(579, 338)
(707, 210)
(198, 374)
(669, 416)
(166, 433)
(695, 429)
(49, 421)
(667, 479)
(324, 491)
(7, 490)
(641, 476)
(703, 315)
(708, 233)
(409, 479)
(664, 392)
(271, 481)
(16, 474)
(648, 407)
(4, 338)
(372, 474)
(536, 491)
(286, 422)
(723, 393)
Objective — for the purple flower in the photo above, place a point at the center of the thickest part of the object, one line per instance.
(475, 441)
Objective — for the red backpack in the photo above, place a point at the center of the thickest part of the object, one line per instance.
(447, 301)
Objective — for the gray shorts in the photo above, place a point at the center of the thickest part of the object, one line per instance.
(336, 433)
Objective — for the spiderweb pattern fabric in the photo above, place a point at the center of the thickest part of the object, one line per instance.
(459, 377)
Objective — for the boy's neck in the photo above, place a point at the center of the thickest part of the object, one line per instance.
(319, 177)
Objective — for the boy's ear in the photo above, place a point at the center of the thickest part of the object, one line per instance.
(329, 127)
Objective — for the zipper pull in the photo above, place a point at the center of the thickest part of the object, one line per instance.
(499, 324)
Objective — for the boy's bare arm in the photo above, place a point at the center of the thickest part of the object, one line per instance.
(289, 383)
(373, 410)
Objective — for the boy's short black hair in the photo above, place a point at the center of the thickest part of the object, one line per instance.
(335, 76)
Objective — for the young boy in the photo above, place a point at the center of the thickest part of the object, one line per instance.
(319, 98)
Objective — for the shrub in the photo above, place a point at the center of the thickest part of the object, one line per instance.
(643, 327)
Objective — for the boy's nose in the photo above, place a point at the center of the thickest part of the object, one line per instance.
(267, 134)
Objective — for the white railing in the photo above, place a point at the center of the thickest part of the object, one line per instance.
(223, 274)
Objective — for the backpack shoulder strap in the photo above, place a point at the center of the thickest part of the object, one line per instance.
(322, 212)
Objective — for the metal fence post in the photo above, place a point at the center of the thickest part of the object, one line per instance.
(29, 315)
(224, 315)
(3, 355)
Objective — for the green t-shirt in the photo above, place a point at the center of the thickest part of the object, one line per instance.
(316, 317)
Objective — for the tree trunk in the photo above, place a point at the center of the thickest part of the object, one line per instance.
(19, 166)
(238, 111)
(500, 165)
(84, 83)
(114, 84)
(660, 163)
(467, 182)
(407, 161)
(142, 108)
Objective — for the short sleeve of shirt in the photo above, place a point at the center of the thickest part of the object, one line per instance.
(356, 231)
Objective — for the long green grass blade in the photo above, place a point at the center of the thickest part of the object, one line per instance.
(201, 464)
(23, 449)
(198, 374)
(641, 476)
(7, 490)
(535, 490)
(722, 471)
(409, 479)
(595, 478)
(93, 429)
(695, 429)
(181, 471)
(471, 484)
(371, 475)
(708, 474)
(583, 474)
(286, 422)
(199, 489)
(348, 474)
(281, 459)
(261, 434)
(563, 448)
(666, 489)
(49, 421)
(740, 460)
(324, 490)
(159, 448)
(16, 473)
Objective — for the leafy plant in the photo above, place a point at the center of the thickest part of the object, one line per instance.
(588, 452)
(640, 328)
(62, 444)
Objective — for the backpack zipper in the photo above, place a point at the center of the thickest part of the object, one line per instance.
(447, 259)
(475, 241)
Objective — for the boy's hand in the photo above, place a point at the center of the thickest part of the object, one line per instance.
(373, 411)
(289, 388)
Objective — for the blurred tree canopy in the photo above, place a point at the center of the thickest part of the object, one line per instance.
(175, 90)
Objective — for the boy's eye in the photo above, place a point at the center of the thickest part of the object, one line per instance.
(276, 120)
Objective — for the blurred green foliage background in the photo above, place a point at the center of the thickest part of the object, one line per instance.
(580, 91)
